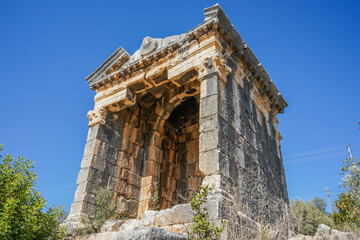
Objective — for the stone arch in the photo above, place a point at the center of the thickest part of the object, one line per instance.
(179, 169)
(159, 172)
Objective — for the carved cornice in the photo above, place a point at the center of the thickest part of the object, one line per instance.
(118, 58)
(173, 47)
(244, 53)
(153, 50)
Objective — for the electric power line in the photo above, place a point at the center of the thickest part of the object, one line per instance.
(308, 159)
(300, 160)
(322, 191)
(294, 155)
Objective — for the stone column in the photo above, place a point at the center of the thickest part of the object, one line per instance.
(213, 159)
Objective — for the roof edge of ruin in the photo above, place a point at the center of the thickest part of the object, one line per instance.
(119, 56)
(216, 12)
(214, 16)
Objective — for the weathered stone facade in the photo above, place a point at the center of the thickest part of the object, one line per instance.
(196, 108)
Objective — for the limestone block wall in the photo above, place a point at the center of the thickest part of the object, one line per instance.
(140, 146)
(189, 156)
(168, 168)
(240, 142)
(113, 156)
(98, 166)
(240, 150)
(127, 183)
(179, 172)
(253, 171)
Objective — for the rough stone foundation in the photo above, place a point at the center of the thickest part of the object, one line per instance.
(187, 110)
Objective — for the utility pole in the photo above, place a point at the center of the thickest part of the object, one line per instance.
(329, 200)
(350, 153)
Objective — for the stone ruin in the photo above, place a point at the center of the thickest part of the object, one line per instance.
(187, 110)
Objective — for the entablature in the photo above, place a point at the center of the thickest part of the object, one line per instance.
(179, 59)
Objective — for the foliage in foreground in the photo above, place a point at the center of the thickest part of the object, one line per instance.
(348, 203)
(103, 209)
(308, 215)
(202, 228)
(22, 208)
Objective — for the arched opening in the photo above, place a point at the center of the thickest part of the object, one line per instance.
(179, 169)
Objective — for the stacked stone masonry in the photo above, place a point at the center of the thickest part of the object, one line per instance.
(184, 111)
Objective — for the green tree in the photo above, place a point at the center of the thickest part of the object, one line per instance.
(202, 228)
(319, 203)
(308, 215)
(348, 203)
(22, 208)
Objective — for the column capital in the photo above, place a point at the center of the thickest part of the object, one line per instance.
(215, 65)
(98, 115)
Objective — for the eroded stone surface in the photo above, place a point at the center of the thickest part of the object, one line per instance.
(324, 232)
(111, 225)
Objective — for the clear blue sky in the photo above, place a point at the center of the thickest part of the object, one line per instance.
(311, 50)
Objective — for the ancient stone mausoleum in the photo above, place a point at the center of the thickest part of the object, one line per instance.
(187, 110)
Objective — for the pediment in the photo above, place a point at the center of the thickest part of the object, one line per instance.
(114, 62)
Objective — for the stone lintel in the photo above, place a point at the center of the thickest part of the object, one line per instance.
(113, 101)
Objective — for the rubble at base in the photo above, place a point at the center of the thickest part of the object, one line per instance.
(149, 233)
(326, 233)
(144, 233)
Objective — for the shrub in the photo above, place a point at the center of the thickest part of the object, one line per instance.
(348, 203)
(202, 228)
(103, 209)
(22, 208)
(348, 213)
(155, 199)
